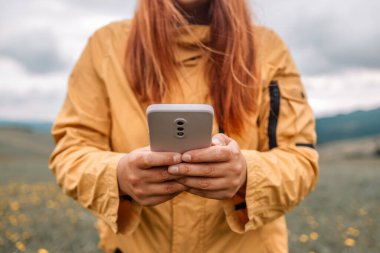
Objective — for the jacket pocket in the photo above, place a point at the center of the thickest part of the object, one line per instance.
(294, 93)
(294, 116)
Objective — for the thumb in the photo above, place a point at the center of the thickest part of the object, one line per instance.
(220, 140)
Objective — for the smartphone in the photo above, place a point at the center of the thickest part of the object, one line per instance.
(179, 127)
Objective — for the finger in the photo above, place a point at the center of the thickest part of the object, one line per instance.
(165, 188)
(148, 159)
(204, 183)
(220, 139)
(234, 148)
(198, 169)
(211, 154)
(158, 175)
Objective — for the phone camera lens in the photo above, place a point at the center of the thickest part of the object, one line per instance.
(180, 123)
(180, 134)
(180, 129)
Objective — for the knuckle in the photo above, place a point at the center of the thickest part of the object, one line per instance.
(164, 174)
(204, 184)
(185, 169)
(169, 159)
(172, 188)
(136, 159)
(210, 170)
(132, 158)
(146, 160)
(169, 188)
(236, 170)
(240, 166)
(235, 152)
(133, 180)
(139, 193)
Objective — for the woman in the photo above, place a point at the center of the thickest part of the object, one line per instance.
(230, 197)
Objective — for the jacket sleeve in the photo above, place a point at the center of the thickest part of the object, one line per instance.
(285, 168)
(82, 161)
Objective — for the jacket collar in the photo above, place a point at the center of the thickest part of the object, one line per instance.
(187, 39)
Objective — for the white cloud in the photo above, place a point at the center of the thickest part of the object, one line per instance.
(326, 36)
(344, 92)
(25, 95)
(37, 50)
(60, 28)
(29, 93)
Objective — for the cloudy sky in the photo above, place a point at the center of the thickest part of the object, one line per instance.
(334, 43)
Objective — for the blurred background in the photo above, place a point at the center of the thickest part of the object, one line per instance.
(335, 44)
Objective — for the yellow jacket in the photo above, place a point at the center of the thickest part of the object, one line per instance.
(102, 119)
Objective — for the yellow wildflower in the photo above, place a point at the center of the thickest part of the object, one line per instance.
(303, 238)
(314, 236)
(349, 242)
(15, 206)
(20, 246)
(353, 232)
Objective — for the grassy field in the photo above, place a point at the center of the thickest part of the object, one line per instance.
(340, 216)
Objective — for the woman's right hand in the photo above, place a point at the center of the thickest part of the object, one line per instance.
(143, 175)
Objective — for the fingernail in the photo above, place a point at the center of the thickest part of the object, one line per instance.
(173, 169)
(186, 157)
(177, 158)
(216, 141)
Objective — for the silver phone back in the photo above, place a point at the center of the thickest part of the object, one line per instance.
(179, 127)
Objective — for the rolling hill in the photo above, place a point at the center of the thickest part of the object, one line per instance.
(349, 126)
(340, 127)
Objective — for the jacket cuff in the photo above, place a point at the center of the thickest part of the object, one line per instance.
(236, 219)
(251, 212)
(115, 207)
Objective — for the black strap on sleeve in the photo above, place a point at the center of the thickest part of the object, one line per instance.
(305, 145)
(274, 92)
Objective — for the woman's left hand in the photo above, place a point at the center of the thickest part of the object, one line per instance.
(217, 172)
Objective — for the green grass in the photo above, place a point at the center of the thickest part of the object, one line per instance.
(35, 215)
(340, 216)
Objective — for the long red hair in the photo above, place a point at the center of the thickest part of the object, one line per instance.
(151, 66)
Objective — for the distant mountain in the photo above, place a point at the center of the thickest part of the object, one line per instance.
(348, 126)
(37, 126)
(341, 127)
